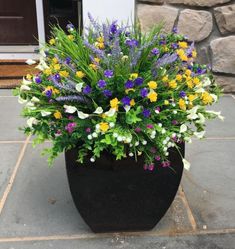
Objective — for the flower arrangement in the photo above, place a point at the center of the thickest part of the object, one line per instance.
(114, 88)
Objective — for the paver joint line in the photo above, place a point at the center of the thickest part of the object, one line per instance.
(111, 235)
(188, 209)
(13, 175)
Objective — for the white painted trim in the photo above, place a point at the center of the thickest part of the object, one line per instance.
(19, 51)
(40, 22)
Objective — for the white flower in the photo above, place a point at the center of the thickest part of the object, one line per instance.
(124, 58)
(206, 82)
(70, 109)
(119, 138)
(24, 88)
(94, 134)
(42, 65)
(42, 52)
(45, 113)
(183, 128)
(92, 159)
(165, 149)
(127, 108)
(193, 113)
(98, 110)
(200, 90)
(131, 154)
(137, 143)
(97, 126)
(31, 121)
(218, 114)
(163, 131)
(30, 62)
(201, 120)
(157, 112)
(174, 112)
(159, 124)
(164, 142)
(144, 142)
(115, 134)
(188, 140)
(139, 153)
(82, 115)
(111, 125)
(89, 136)
(111, 112)
(79, 87)
(186, 164)
(153, 133)
(199, 134)
(29, 104)
(128, 140)
(26, 82)
(35, 100)
(214, 97)
(21, 100)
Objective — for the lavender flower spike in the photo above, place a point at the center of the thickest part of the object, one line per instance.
(166, 59)
(72, 98)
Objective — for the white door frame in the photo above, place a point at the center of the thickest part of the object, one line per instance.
(27, 52)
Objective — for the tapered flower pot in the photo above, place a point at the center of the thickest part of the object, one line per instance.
(114, 196)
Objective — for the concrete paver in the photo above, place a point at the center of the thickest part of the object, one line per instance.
(209, 185)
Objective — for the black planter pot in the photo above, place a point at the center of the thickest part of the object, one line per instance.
(114, 196)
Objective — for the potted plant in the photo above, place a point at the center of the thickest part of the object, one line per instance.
(120, 104)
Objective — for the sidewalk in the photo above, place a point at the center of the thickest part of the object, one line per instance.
(37, 212)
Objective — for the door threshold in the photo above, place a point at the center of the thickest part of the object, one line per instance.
(18, 49)
(19, 56)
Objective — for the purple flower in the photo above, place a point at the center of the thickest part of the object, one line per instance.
(108, 73)
(155, 51)
(175, 30)
(138, 81)
(162, 42)
(67, 60)
(132, 43)
(88, 130)
(38, 80)
(101, 83)
(174, 122)
(151, 167)
(138, 129)
(149, 126)
(153, 150)
(166, 164)
(144, 92)
(174, 45)
(107, 93)
(70, 26)
(70, 127)
(48, 93)
(157, 158)
(129, 84)
(126, 101)
(182, 94)
(87, 89)
(57, 77)
(146, 113)
(113, 27)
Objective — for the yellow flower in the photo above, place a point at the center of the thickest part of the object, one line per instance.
(28, 76)
(178, 77)
(129, 90)
(55, 60)
(104, 126)
(196, 81)
(58, 115)
(64, 73)
(172, 84)
(71, 37)
(166, 102)
(103, 115)
(100, 45)
(194, 54)
(190, 84)
(132, 102)
(182, 104)
(57, 67)
(133, 76)
(183, 44)
(192, 97)
(47, 71)
(166, 49)
(206, 98)
(55, 91)
(114, 103)
(152, 96)
(97, 60)
(183, 57)
(180, 52)
(100, 39)
(188, 72)
(152, 84)
(93, 66)
(51, 88)
(165, 78)
(80, 74)
(52, 41)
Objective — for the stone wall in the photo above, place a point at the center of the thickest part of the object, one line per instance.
(210, 23)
